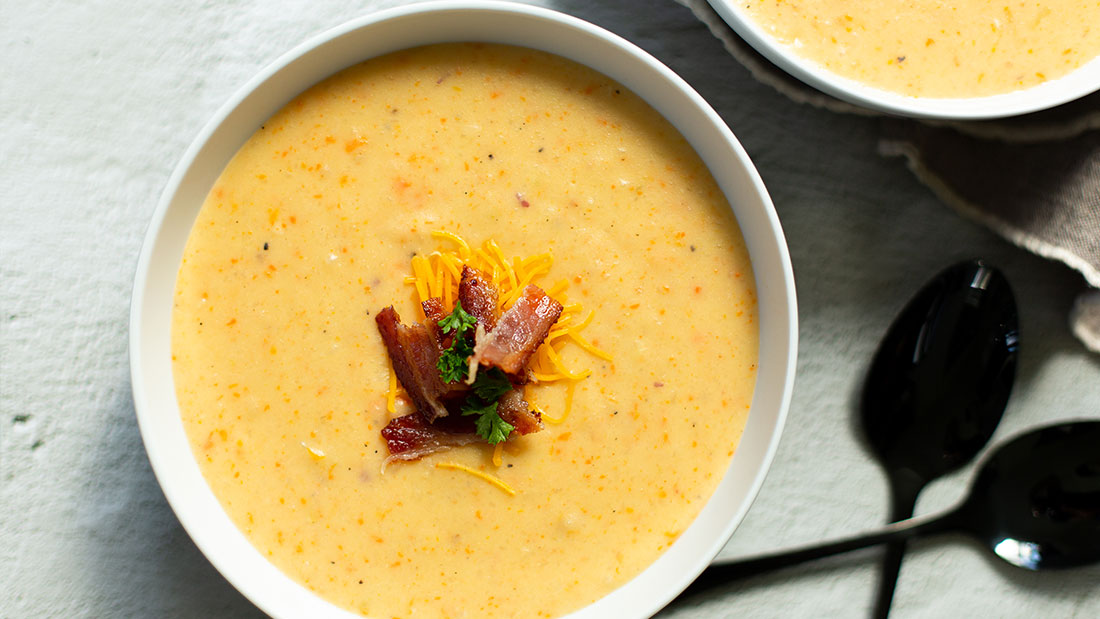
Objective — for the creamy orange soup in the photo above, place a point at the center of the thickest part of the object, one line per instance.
(932, 48)
(282, 377)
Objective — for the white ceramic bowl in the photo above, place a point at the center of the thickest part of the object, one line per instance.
(1075, 85)
(420, 24)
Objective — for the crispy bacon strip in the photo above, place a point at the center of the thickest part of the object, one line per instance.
(514, 409)
(433, 311)
(410, 437)
(414, 354)
(478, 296)
(518, 333)
(507, 343)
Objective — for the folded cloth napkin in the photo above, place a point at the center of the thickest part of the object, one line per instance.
(1033, 179)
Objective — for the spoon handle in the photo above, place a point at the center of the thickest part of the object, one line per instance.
(904, 489)
(719, 573)
(888, 579)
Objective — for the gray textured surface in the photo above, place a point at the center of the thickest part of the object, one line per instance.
(100, 99)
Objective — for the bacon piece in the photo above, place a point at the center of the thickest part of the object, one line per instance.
(478, 296)
(518, 333)
(507, 342)
(410, 437)
(433, 311)
(514, 409)
(414, 354)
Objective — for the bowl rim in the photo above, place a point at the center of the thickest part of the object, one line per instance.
(1078, 83)
(155, 403)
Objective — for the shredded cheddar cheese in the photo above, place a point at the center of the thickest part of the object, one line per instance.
(496, 481)
(438, 275)
(548, 418)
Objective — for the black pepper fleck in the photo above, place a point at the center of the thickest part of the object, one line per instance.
(692, 248)
(490, 155)
(540, 150)
(265, 246)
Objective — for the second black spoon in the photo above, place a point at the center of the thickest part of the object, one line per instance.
(937, 388)
(1034, 503)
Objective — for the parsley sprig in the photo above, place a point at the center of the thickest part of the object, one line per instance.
(453, 362)
(489, 425)
(491, 384)
(487, 389)
(458, 320)
(453, 366)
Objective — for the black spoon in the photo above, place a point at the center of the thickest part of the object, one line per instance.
(1035, 503)
(937, 388)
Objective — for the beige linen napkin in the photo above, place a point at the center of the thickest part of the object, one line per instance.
(1034, 179)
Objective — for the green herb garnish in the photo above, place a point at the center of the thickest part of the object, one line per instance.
(453, 363)
(487, 389)
(459, 321)
(489, 385)
(489, 425)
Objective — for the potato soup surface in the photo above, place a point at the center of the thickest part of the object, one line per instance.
(282, 377)
(933, 48)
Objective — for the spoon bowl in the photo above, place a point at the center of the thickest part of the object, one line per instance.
(1040, 515)
(943, 373)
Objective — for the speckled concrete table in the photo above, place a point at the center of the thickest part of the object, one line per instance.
(99, 101)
